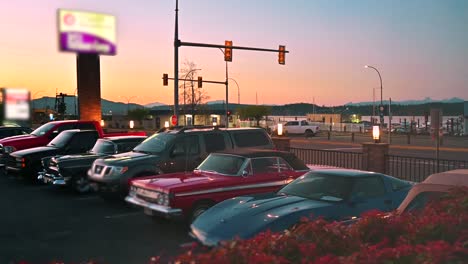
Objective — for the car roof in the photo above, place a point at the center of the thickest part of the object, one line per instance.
(295, 162)
(453, 177)
(346, 172)
(118, 138)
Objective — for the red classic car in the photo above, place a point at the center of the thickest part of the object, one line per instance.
(219, 177)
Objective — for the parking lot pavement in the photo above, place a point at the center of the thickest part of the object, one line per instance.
(40, 224)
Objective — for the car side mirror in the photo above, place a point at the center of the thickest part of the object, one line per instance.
(245, 173)
(53, 134)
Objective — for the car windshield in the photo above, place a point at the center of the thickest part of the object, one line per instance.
(61, 140)
(42, 129)
(330, 188)
(103, 147)
(222, 164)
(155, 144)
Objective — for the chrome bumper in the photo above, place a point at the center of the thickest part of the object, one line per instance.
(51, 179)
(158, 209)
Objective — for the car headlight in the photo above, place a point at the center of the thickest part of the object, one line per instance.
(119, 170)
(132, 191)
(9, 149)
(163, 199)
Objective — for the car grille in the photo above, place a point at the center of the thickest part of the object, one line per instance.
(147, 199)
(11, 162)
(98, 169)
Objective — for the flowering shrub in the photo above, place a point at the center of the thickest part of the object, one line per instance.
(437, 234)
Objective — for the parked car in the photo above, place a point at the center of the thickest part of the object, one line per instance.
(45, 133)
(71, 170)
(335, 194)
(181, 149)
(432, 188)
(9, 131)
(299, 127)
(219, 177)
(27, 162)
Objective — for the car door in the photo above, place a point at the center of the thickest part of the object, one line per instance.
(292, 127)
(81, 142)
(184, 155)
(369, 193)
(262, 175)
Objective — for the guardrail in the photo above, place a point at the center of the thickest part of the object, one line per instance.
(418, 169)
(348, 160)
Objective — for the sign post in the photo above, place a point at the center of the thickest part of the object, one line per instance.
(88, 35)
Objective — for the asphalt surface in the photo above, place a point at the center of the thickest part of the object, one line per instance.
(41, 224)
(453, 148)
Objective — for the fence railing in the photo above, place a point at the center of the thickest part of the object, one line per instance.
(348, 160)
(418, 169)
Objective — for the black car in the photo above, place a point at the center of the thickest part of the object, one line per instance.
(27, 162)
(10, 131)
(173, 150)
(70, 170)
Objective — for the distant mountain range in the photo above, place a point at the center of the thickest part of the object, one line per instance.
(110, 107)
(426, 100)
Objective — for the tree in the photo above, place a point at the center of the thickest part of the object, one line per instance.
(256, 112)
(138, 114)
(195, 96)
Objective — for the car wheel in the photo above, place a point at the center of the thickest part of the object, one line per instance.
(309, 133)
(199, 209)
(80, 184)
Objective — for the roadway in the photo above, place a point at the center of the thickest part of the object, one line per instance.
(453, 148)
(42, 224)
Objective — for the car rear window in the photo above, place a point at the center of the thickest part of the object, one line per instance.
(250, 139)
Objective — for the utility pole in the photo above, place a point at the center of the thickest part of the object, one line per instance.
(176, 62)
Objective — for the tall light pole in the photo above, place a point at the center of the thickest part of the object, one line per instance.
(227, 92)
(381, 110)
(128, 99)
(238, 90)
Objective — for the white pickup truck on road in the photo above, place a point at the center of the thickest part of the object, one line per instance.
(300, 127)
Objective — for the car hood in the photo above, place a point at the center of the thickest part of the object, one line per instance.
(228, 219)
(40, 151)
(7, 140)
(177, 182)
(124, 158)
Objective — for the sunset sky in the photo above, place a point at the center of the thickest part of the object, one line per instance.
(419, 46)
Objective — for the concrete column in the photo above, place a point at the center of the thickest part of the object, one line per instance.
(373, 158)
(282, 143)
(89, 86)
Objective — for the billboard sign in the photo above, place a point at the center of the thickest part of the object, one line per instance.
(87, 32)
(16, 104)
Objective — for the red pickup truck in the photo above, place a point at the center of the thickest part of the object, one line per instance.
(45, 133)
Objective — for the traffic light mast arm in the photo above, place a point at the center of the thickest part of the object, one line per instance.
(205, 81)
(205, 45)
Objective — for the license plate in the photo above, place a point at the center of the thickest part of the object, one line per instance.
(148, 211)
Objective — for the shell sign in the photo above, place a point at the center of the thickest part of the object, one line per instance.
(87, 32)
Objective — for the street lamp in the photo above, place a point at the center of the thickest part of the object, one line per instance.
(128, 99)
(381, 94)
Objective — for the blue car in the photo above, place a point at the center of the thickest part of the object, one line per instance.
(335, 194)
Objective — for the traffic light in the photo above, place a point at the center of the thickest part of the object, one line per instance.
(165, 79)
(200, 82)
(229, 113)
(227, 50)
(282, 55)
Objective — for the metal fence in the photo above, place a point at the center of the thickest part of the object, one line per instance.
(418, 169)
(349, 160)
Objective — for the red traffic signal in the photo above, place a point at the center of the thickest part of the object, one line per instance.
(200, 82)
(282, 55)
(228, 50)
(165, 79)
